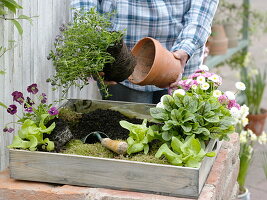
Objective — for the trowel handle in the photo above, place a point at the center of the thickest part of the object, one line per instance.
(118, 147)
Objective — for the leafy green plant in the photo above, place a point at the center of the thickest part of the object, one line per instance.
(139, 136)
(81, 51)
(255, 81)
(31, 135)
(197, 107)
(33, 130)
(188, 152)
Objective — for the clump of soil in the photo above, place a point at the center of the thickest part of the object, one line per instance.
(124, 63)
(106, 121)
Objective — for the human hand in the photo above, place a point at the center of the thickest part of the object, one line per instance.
(182, 56)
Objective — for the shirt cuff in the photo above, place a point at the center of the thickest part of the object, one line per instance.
(187, 45)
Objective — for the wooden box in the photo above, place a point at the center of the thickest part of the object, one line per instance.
(111, 173)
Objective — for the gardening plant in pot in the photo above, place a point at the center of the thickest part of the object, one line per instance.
(255, 81)
(155, 64)
(87, 47)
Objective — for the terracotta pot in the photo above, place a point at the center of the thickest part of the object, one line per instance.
(245, 195)
(155, 64)
(218, 42)
(257, 122)
(231, 34)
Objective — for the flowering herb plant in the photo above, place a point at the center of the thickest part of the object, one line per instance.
(33, 121)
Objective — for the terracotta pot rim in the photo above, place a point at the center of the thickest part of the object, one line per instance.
(263, 112)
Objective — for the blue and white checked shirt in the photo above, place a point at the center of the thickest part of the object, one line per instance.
(177, 24)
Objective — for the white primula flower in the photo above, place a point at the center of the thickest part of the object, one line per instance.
(160, 105)
(240, 86)
(230, 95)
(235, 112)
(262, 138)
(253, 137)
(243, 137)
(204, 68)
(244, 121)
(244, 110)
(215, 78)
(179, 91)
(201, 79)
(194, 87)
(217, 93)
(205, 86)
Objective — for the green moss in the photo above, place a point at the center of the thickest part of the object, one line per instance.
(69, 115)
(77, 147)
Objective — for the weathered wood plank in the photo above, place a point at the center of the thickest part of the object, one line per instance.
(101, 172)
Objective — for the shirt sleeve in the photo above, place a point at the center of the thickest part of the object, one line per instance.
(83, 4)
(197, 26)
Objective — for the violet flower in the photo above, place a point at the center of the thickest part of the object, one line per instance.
(12, 109)
(9, 130)
(53, 111)
(32, 88)
(44, 98)
(29, 109)
(18, 97)
(28, 103)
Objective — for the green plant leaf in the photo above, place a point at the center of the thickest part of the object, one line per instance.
(159, 114)
(50, 146)
(168, 125)
(137, 147)
(3, 105)
(168, 102)
(172, 157)
(186, 127)
(18, 26)
(2, 72)
(25, 17)
(167, 136)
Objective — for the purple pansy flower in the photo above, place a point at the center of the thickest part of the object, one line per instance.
(18, 97)
(53, 111)
(9, 130)
(44, 98)
(29, 109)
(12, 109)
(32, 88)
(28, 102)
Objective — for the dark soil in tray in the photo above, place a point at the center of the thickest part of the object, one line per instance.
(106, 121)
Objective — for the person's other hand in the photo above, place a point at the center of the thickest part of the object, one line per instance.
(107, 82)
(182, 56)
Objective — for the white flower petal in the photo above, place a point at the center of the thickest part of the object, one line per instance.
(179, 91)
(240, 86)
(204, 68)
(230, 95)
